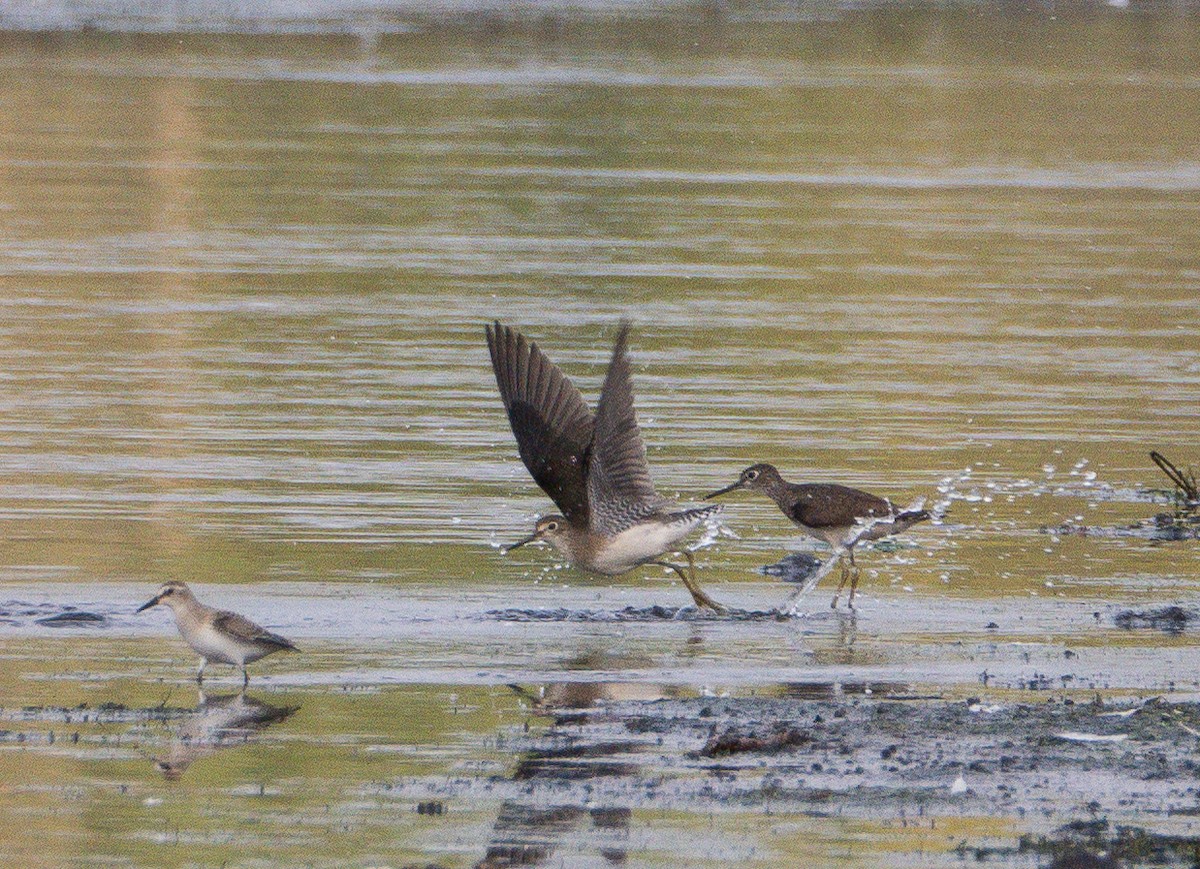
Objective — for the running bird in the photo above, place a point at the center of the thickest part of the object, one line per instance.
(217, 635)
(593, 466)
(839, 515)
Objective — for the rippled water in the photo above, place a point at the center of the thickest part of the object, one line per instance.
(948, 253)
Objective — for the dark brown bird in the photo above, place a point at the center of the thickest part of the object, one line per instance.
(839, 515)
(593, 466)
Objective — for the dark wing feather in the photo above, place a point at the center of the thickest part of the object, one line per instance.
(828, 505)
(550, 420)
(619, 488)
(244, 629)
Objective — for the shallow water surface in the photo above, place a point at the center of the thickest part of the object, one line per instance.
(946, 254)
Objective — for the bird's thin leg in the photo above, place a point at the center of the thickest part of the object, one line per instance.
(200, 672)
(845, 574)
(853, 580)
(792, 606)
(698, 594)
(245, 677)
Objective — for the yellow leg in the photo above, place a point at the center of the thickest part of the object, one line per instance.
(842, 584)
(853, 580)
(698, 594)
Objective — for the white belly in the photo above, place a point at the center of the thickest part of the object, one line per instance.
(638, 544)
(867, 529)
(219, 648)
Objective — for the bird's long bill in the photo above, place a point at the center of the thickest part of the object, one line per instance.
(152, 602)
(730, 488)
(530, 539)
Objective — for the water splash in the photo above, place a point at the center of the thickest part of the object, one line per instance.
(949, 488)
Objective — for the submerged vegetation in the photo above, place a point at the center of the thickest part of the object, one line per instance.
(1184, 518)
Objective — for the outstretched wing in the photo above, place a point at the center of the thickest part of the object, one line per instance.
(242, 628)
(619, 488)
(550, 420)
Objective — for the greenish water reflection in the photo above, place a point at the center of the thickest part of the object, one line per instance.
(242, 288)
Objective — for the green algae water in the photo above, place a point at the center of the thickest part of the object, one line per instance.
(948, 252)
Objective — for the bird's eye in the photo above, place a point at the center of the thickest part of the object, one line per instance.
(551, 526)
(751, 475)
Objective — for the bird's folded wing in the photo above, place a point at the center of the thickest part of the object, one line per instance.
(550, 420)
(826, 505)
(620, 491)
(243, 629)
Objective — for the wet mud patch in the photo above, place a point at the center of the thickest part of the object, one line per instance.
(169, 737)
(73, 620)
(1080, 783)
(1163, 527)
(635, 614)
(85, 713)
(1095, 844)
(1169, 619)
(50, 615)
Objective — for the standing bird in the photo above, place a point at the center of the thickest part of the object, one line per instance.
(593, 466)
(217, 635)
(839, 515)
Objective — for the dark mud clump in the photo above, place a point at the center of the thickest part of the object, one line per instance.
(1171, 619)
(733, 741)
(49, 615)
(634, 614)
(1098, 843)
(1095, 844)
(793, 567)
(1173, 527)
(72, 619)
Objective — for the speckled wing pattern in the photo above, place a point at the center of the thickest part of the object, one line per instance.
(826, 505)
(620, 492)
(243, 629)
(550, 420)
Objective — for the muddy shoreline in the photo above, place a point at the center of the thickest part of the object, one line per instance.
(1084, 784)
(601, 725)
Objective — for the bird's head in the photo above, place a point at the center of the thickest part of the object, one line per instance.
(552, 529)
(758, 476)
(171, 593)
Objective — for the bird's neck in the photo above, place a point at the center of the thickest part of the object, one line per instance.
(776, 489)
(573, 544)
(189, 614)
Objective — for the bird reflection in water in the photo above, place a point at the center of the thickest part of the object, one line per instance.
(566, 697)
(218, 722)
(529, 832)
